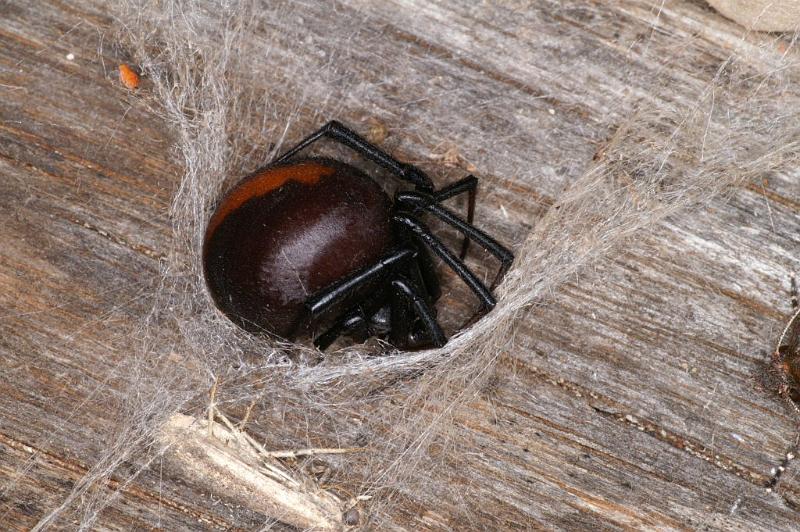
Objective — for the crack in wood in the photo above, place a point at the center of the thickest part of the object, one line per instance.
(138, 248)
(773, 196)
(690, 446)
(609, 408)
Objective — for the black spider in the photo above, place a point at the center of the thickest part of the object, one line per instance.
(311, 242)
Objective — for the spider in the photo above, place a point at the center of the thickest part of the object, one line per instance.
(312, 243)
(786, 356)
(785, 373)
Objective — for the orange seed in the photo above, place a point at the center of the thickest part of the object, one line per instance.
(128, 76)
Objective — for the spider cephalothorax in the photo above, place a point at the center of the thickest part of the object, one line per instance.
(306, 243)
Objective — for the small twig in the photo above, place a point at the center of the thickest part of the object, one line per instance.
(289, 453)
(312, 452)
(243, 423)
(244, 439)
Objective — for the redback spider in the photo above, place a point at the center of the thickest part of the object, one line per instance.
(309, 243)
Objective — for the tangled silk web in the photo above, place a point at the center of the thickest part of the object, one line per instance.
(230, 98)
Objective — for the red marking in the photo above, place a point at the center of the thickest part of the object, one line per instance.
(307, 173)
(128, 76)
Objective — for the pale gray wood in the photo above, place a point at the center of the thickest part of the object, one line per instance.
(633, 400)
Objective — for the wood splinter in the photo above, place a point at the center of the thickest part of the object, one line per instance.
(221, 455)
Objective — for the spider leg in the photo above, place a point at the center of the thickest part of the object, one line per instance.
(425, 269)
(354, 323)
(408, 305)
(344, 135)
(467, 184)
(457, 265)
(323, 300)
(488, 243)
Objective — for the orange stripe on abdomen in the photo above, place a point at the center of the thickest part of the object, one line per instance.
(308, 173)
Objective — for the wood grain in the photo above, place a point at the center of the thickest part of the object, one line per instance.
(633, 399)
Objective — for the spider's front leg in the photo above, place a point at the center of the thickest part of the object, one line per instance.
(361, 295)
(423, 235)
(340, 291)
(415, 202)
(340, 133)
(400, 304)
(468, 184)
(414, 322)
(353, 324)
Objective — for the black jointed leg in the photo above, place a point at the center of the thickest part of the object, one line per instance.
(353, 322)
(281, 204)
(467, 184)
(457, 265)
(407, 305)
(470, 231)
(404, 311)
(359, 322)
(344, 135)
(427, 270)
(321, 301)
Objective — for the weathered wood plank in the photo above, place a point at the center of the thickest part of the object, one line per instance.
(631, 400)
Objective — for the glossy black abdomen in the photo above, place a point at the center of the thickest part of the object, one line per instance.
(288, 231)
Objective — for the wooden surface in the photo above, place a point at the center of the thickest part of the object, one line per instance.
(633, 400)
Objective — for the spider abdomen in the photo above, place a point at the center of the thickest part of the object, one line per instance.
(285, 233)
